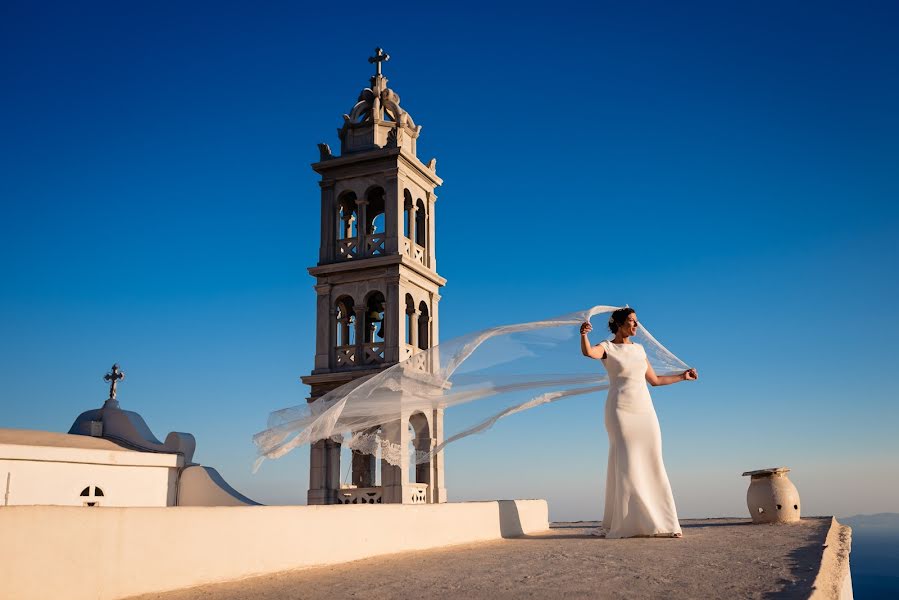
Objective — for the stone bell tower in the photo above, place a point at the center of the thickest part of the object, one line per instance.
(378, 289)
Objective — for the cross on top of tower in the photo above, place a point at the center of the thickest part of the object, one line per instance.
(113, 377)
(379, 57)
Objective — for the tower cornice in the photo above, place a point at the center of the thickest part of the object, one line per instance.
(374, 262)
(325, 168)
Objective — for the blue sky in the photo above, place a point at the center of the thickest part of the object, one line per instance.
(728, 169)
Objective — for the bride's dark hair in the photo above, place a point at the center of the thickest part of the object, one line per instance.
(619, 318)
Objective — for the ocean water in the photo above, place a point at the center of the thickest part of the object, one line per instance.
(875, 555)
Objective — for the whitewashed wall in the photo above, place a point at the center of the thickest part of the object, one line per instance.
(57, 474)
(27, 482)
(111, 553)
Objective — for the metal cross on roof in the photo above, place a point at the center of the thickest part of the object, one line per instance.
(113, 377)
(378, 58)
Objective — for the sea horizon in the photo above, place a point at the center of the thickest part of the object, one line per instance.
(874, 559)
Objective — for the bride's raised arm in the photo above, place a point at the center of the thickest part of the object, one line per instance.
(657, 380)
(597, 352)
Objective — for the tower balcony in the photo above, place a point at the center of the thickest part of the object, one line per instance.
(416, 358)
(414, 251)
(371, 245)
(371, 353)
(413, 493)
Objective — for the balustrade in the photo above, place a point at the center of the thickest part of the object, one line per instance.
(418, 254)
(374, 244)
(348, 248)
(418, 493)
(374, 352)
(354, 495)
(419, 359)
(346, 356)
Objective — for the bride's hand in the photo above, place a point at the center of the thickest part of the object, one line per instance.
(691, 375)
(586, 328)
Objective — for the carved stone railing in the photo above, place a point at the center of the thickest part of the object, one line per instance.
(407, 351)
(418, 254)
(416, 358)
(369, 495)
(407, 247)
(374, 353)
(421, 361)
(418, 493)
(374, 244)
(346, 356)
(348, 248)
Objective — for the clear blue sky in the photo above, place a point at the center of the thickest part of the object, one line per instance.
(729, 169)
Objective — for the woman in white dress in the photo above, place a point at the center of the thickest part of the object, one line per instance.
(638, 496)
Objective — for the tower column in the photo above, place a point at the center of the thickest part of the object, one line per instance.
(435, 319)
(394, 478)
(360, 334)
(324, 472)
(393, 215)
(431, 247)
(329, 217)
(326, 315)
(438, 476)
(362, 227)
(392, 319)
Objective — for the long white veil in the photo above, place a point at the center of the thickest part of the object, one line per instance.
(481, 377)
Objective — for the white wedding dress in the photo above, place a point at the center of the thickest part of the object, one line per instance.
(638, 496)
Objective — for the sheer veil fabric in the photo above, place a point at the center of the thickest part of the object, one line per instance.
(476, 379)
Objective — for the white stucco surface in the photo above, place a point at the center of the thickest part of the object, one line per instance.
(48, 468)
(109, 553)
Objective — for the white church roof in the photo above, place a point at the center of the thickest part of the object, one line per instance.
(27, 444)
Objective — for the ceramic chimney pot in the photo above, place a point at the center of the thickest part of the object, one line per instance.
(772, 497)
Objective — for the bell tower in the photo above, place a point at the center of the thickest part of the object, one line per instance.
(377, 289)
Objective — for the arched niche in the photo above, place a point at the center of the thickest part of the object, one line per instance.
(347, 216)
(408, 211)
(366, 467)
(375, 210)
(420, 443)
(375, 308)
(421, 223)
(424, 322)
(375, 222)
(410, 320)
(345, 322)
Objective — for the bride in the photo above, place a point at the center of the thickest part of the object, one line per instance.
(638, 496)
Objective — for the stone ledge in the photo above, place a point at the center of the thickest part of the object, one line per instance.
(717, 558)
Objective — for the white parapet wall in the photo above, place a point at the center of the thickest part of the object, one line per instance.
(834, 578)
(110, 553)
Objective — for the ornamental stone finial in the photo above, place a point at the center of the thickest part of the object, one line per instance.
(379, 57)
(113, 377)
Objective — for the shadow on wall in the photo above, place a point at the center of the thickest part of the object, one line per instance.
(509, 519)
(803, 579)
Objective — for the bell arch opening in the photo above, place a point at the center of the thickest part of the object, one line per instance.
(419, 447)
(408, 205)
(424, 325)
(347, 216)
(410, 320)
(421, 224)
(375, 221)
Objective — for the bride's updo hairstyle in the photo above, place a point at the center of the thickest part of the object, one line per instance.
(619, 318)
